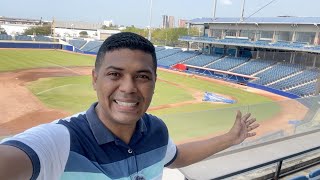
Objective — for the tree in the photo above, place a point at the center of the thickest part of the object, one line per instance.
(38, 30)
(83, 34)
(3, 31)
(142, 32)
(112, 27)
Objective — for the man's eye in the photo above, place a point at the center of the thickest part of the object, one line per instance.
(143, 76)
(113, 74)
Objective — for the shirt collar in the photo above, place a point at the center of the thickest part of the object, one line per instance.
(100, 132)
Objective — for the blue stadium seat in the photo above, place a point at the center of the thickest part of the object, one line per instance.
(301, 177)
(314, 175)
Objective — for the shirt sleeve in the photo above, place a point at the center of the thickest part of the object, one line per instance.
(171, 153)
(48, 148)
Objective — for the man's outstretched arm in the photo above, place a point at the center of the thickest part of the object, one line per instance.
(14, 163)
(193, 152)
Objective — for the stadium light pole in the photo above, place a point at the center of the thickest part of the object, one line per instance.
(242, 10)
(150, 19)
(214, 9)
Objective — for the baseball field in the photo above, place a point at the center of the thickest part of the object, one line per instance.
(39, 86)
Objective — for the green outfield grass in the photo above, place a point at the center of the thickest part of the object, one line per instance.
(15, 59)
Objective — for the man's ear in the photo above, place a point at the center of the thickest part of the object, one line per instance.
(94, 75)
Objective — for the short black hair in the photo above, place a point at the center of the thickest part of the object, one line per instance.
(126, 40)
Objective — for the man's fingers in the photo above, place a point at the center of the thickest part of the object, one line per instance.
(251, 134)
(254, 126)
(245, 117)
(250, 121)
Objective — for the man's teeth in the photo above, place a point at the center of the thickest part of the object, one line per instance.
(126, 104)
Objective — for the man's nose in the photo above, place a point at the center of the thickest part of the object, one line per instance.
(128, 85)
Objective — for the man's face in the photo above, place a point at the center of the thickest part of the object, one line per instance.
(124, 84)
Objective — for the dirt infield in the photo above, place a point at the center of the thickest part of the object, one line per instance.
(20, 109)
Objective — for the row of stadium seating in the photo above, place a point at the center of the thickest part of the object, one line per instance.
(5, 37)
(88, 46)
(167, 52)
(176, 58)
(25, 38)
(227, 63)
(202, 60)
(253, 66)
(304, 90)
(159, 48)
(92, 46)
(77, 43)
(302, 78)
(277, 72)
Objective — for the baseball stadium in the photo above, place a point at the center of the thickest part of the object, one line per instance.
(266, 66)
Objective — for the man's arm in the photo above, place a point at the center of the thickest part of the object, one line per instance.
(38, 153)
(193, 152)
(14, 163)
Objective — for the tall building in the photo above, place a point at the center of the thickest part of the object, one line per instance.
(182, 23)
(168, 21)
(171, 22)
(165, 21)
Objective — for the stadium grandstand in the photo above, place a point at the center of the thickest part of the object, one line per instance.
(284, 59)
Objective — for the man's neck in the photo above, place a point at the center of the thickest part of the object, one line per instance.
(122, 131)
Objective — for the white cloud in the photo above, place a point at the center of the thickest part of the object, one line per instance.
(226, 2)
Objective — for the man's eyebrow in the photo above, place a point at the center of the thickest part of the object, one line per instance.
(114, 68)
(144, 71)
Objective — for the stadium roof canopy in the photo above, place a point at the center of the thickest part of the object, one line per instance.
(77, 25)
(259, 20)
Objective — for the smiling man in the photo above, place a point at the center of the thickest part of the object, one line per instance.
(115, 138)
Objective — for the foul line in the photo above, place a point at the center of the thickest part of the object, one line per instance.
(55, 88)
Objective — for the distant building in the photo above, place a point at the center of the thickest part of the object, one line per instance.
(108, 23)
(104, 34)
(165, 21)
(182, 23)
(17, 26)
(172, 23)
(168, 21)
(73, 29)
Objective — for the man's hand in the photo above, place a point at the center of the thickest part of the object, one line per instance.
(196, 151)
(242, 128)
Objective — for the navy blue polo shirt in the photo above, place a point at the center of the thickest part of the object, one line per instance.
(81, 147)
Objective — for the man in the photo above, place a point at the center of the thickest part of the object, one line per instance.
(114, 138)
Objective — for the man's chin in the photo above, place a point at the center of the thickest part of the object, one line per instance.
(127, 119)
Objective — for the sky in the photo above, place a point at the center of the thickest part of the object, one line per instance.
(136, 12)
